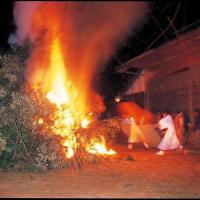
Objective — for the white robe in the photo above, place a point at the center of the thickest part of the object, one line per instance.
(170, 140)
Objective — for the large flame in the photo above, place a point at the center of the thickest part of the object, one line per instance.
(57, 77)
(61, 92)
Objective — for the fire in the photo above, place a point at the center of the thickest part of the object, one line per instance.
(70, 113)
(62, 94)
(99, 147)
(85, 123)
(57, 76)
(117, 99)
(70, 144)
(68, 53)
(40, 121)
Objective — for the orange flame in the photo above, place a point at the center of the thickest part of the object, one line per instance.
(60, 91)
(57, 77)
(40, 121)
(96, 147)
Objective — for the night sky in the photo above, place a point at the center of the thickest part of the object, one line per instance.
(6, 24)
(152, 34)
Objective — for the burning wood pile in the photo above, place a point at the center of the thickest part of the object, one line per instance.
(37, 134)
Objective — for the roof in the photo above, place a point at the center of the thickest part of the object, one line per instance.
(180, 52)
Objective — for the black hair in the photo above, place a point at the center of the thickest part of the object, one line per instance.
(165, 111)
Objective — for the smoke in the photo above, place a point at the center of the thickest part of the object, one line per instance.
(23, 12)
(89, 34)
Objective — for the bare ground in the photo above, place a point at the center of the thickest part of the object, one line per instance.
(173, 175)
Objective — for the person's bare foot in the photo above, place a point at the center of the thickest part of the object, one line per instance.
(160, 152)
(180, 148)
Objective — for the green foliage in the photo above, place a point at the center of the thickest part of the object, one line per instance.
(24, 144)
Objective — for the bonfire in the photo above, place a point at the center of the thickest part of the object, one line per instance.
(69, 114)
(43, 131)
(55, 108)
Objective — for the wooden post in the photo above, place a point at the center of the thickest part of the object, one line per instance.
(191, 104)
(146, 93)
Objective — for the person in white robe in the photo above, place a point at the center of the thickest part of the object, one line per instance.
(170, 139)
(132, 130)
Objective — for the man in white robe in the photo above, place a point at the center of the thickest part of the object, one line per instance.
(170, 140)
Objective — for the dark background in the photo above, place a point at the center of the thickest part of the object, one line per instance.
(156, 31)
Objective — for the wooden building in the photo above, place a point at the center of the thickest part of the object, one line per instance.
(170, 77)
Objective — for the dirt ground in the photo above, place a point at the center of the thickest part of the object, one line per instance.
(147, 175)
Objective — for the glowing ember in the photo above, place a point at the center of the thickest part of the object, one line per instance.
(99, 147)
(40, 121)
(117, 99)
(85, 123)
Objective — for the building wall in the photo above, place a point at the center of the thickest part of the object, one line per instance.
(139, 85)
(196, 85)
(178, 91)
(173, 69)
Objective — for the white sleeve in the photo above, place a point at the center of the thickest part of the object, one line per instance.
(162, 124)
